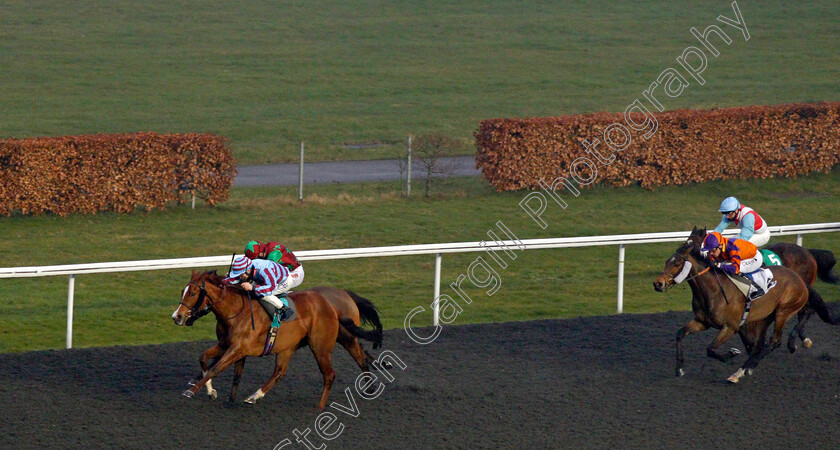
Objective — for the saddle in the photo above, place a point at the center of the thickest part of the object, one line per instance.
(291, 310)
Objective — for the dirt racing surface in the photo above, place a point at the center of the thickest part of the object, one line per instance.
(598, 382)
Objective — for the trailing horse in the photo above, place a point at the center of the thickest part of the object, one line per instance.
(718, 303)
(810, 264)
(353, 311)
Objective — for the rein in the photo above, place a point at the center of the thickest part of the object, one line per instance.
(210, 303)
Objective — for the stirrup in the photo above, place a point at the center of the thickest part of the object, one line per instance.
(279, 315)
(756, 294)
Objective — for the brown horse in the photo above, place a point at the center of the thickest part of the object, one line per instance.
(718, 303)
(317, 325)
(353, 311)
(809, 264)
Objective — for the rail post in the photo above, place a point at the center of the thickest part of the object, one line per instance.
(620, 300)
(436, 314)
(799, 239)
(71, 287)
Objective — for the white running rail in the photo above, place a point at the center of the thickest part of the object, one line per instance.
(438, 250)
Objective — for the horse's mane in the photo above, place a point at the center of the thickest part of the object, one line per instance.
(212, 277)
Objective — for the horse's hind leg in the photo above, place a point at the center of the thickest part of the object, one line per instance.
(691, 327)
(803, 316)
(354, 347)
(778, 327)
(281, 362)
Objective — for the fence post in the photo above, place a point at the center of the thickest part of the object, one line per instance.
(71, 287)
(799, 239)
(620, 300)
(436, 316)
(300, 175)
(408, 168)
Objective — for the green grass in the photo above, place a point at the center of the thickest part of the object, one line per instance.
(271, 74)
(134, 308)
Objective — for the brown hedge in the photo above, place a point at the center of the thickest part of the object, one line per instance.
(689, 146)
(114, 172)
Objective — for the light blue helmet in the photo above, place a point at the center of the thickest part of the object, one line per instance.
(729, 204)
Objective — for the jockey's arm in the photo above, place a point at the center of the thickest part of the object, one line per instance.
(724, 223)
(747, 227)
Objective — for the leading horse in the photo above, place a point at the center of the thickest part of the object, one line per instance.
(718, 303)
(316, 325)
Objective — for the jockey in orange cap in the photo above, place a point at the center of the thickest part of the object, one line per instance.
(735, 257)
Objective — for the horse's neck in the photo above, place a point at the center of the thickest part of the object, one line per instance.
(223, 308)
(702, 286)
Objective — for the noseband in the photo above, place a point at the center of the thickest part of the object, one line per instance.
(197, 311)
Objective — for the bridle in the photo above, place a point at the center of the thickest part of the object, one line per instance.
(673, 282)
(197, 310)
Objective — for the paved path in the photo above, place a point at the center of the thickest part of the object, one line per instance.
(346, 171)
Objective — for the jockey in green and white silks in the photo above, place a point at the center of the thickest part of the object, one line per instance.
(753, 228)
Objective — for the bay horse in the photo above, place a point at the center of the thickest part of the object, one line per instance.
(810, 264)
(353, 311)
(316, 325)
(718, 303)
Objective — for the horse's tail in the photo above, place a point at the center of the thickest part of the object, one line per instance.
(818, 304)
(368, 314)
(825, 262)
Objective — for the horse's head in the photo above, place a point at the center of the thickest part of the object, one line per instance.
(194, 302)
(677, 266)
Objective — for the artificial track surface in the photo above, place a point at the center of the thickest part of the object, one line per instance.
(595, 382)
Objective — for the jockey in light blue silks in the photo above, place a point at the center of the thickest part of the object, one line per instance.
(753, 228)
(266, 278)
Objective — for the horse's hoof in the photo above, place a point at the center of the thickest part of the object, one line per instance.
(807, 342)
(735, 377)
(213, 394)
(749, 372)
(679, 372)
(734, 351)
(250, 400)
(188, 393)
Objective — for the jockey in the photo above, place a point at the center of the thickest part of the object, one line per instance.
(753, 227)
(280, 254)
(735, 257)
(265, 278)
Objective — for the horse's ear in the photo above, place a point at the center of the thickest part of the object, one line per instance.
(694, 230)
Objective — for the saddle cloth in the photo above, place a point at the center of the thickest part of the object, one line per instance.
(761, 277)
(291, 312)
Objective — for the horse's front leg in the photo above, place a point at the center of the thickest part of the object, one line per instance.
(229, 357)
(693, 326)
(211, 354)
(711, 351)
(237, 376)
(281, 362)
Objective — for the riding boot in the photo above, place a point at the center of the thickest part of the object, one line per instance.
(758, 292)
(279, 315)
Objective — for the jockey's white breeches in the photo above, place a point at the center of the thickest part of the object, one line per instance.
(294, 280)
(751, 264)
(760, 239)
